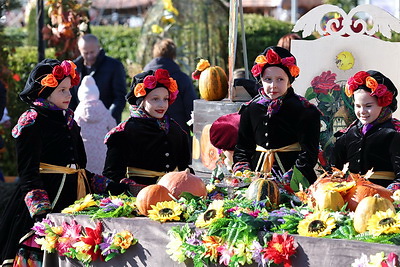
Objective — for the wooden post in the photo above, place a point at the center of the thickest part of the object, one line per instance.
(232, 41)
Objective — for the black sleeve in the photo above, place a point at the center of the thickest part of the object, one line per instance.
(339, 157)
(395, 156)
(115, 164)
(246, 143)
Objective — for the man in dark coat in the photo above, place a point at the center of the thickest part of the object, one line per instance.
(108, 73)
(164, 53)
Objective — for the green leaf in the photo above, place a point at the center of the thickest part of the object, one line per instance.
(110, 256)
(325, 98)
(297, 179)
(310, 94)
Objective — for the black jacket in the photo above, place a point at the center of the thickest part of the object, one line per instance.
(110, 78)
(140, 143)
(181, 109)
(379, 149)
(296, 121)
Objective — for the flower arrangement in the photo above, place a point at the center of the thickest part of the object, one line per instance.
(200, 67)
(82, 243)
(59, 72)
(272, 58)
(377, 260)
(150, 82)
(384, 96)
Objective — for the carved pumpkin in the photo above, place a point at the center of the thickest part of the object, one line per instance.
(184, 181)
(328, 199)
(367, 207)
(213, 84)
(151, 195)
(363, 189)
(261, 189)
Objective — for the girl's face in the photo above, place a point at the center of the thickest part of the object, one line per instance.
(366, 106)
(155, 103)
(275, 82)
(61, 96)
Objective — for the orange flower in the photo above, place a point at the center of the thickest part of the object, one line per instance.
(211, 243)
(261, 59)
(139, 90)
(371, 83)
(123, 239)
(202, 65)
(173, 86)
(49, 81)
(347, 90)
(294, 70)
(73, 67)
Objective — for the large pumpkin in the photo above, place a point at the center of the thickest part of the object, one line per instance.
(367, 207)
(261, 189)
(151, 195)
(213, 84)
(184, 181)
(363, 189)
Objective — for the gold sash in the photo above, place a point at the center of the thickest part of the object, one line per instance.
(133, 171)
(383, 175)
(81, 190)
(267, 157)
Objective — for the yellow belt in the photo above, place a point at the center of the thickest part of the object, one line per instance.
(81, 190)
(267, 157)
(383, 175)
(133, 171)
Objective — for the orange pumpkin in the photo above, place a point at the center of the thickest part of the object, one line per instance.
(184, 181)
(208, 152)
(213, 84)
(151, 195)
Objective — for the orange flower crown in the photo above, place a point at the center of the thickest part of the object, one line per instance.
(150, 82)
(59, 72)
(273, 58)
(385, 97)
(201, 66)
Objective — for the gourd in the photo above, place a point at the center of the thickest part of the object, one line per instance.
(261, 189)
(367, 207)
(213, 84)
(328, 199)
(184, 181)
(151, 195)
(363, 189)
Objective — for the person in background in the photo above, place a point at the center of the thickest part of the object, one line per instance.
(95, 121)
(278, 128)
(108, 73)
(286, 40)
(51, 161)
(164, 54)
(372, 142)
(150, 143)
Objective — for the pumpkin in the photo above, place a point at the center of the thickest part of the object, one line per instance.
(213, 84)
(363, 189)
(367, 207)
(184, 181)
(208, 153)
(328, 199)
(151, 195)
(261, 189)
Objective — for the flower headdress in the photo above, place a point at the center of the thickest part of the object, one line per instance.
(201, 66)
(150, 80)
(366, 80)
(271, 57)
(59, 72)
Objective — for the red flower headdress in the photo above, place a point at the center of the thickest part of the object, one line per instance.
(385, 97)
(273, 58)
(150, 82)
(66, 68)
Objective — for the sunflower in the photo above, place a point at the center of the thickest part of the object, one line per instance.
(339, 186)
(318, 224)
(165, 211)
(213, 212)
(384, 222)
(80, 204)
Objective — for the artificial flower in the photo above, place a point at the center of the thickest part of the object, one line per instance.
(214, 211)
(256, 70)
(80, 204)
(139, 90)
(175, 250)
(165, 211)
(371, 83)
(67, 67)
(71, 235)
(280, 248)
(386, 99)
(325, 83)
(75, 80)
(211, 243)
(48, 243)
(93, 238)
(361, 262)
(294, 70)
(58, 72)
(49, 80)
(150, 82)
(124, 239)
(261, 59)
(376, 259)
(226, 253)
(384, 222)
(317, 224)
(202, 65)
(243, 251)
(162, 76)
(273, 57)
(173, 86)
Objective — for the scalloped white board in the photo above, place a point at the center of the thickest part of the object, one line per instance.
(320, 55)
